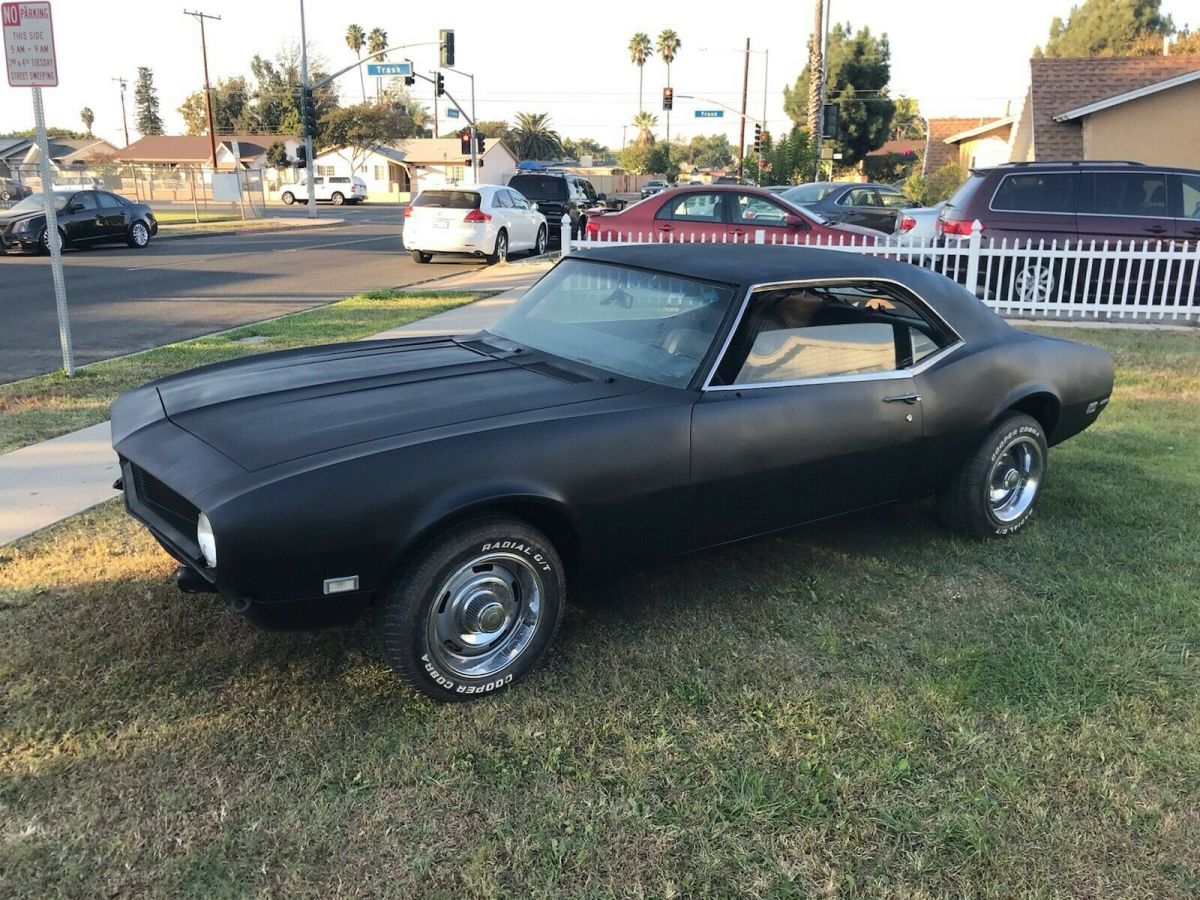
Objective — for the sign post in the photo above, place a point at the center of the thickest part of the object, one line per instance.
(30, 60)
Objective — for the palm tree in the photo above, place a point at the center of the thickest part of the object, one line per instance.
(377, 41)
(88, 118)
(533, 138)
(640, 50)
(356, 39)
(644, 122)
(668, 47)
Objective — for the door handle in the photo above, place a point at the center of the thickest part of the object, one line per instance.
(1157, 229)
(910, 399)
(666, 228)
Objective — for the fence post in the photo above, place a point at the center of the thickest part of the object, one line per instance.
(974, 244)
(565, 234)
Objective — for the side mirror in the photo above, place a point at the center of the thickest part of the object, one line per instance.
(602, 197)
(533, 206)
(74, 207)
(794, 221)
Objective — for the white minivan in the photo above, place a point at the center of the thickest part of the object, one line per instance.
(487, 220)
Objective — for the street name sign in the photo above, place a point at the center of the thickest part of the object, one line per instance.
(452, 112)
(710, 114)
(382, 70)
(29, 45)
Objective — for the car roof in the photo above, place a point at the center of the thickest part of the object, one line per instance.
(749, 264)
(1085, 165)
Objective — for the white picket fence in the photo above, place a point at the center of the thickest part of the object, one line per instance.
(1135, 280)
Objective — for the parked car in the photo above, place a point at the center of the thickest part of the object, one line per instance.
(874, 206)
(84, 217)
(919, 223)
(336, 189)
(636, 404)
(13, 190)
(650, 188)
(557, 193)
(720, 213)
(1073, 203)
(484, 220)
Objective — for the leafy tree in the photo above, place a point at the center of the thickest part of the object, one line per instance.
(668, 48)
(356, 39)
(789, 160)
(644, 159)
(644, 122)
(402, 101)
(277, 156)
(707, 151)
(907, 124)
(145, 100)
(495, 129)
(1108, 28)
(377, 42)
(935, 187)
(576, 149)
(88, 118)
(52, 131)
(360, 130)
(231, 110)
(640, 49)
(533, 138)
(859, 72)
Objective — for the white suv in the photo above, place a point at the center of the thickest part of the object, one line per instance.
(337, 189)
(487, 220)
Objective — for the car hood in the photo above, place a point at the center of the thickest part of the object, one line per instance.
(7, 217)
(278, 407)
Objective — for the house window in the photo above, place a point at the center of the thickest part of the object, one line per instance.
(456, 174)
(380, 173)
(325, 170)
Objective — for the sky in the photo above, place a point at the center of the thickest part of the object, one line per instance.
(957, 57)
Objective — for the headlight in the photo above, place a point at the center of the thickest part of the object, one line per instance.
(207, 541)
(23, 225)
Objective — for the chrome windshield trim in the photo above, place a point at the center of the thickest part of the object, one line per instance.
(923, 305)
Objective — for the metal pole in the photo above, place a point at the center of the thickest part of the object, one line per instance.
(124, 120)
(52, 234)
(308, 141)
(766, 63)
(212, 130)
(474, 136)
(742, 126)
(435, 104)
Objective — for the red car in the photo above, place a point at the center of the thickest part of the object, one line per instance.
(725, 212)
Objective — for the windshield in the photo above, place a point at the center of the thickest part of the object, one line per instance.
(810, 193)
(647, 325)
(540, 187)
(37, 203)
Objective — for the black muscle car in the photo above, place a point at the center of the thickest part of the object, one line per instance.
(637, 403)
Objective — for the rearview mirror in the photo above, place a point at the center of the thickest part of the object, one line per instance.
(794, 221)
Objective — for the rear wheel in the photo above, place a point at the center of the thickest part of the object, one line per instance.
(288, 198)
(139, 235)
(338, 198)
(420, 257)
(500, 254)
(994, 492)
(474, 610)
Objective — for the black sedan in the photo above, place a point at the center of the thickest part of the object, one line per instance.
(636, 404)
(875, 206)
(84, 217)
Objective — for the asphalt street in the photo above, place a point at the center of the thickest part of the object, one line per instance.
(122, 300)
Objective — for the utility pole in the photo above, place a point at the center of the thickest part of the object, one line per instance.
(474, 133)
(124, 121)
(212, 129)
(308, 138)
(742, 125)
(816, 77)
(435, 104)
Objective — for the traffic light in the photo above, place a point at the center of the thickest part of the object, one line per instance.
(440, 80)
(480, 144)
(410, 80)
(465, 137)
(829, 120)
(308, 113)
(668, 97)
(758, 138)
(446, 39)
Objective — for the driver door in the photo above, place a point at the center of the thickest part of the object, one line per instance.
(80, 218)
(812, 411)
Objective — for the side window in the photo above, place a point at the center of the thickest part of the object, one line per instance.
(501, 200)
(110, 200)
(895, 201)
(518, 201)
(1129, 194)
(85, 199)
(795, 334)
(754, 210)
(862, 197)
(1046, 192)
(1191, 196)
(693, 208)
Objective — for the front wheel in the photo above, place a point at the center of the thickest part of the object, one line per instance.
(420, 257)
(44, 241)
(139, 235)
(474, 610)
(994, 492)
(338, 198)
(539, 246)
(288, 198)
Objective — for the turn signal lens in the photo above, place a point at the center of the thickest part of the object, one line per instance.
(477, 215)
(408, 211)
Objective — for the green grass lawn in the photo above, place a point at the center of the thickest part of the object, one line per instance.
(870, 707)
(35, 409)
(188, 217)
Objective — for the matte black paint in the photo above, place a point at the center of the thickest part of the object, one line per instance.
(339, 460)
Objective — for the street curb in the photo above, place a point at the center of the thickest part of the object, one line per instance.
(266, 229)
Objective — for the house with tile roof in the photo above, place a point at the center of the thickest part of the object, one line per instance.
(401, 169)
(234, 151)
(1139, 108)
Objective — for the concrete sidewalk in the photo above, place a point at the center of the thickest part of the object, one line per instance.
(51, 481)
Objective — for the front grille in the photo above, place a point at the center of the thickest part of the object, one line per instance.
(169, 504)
